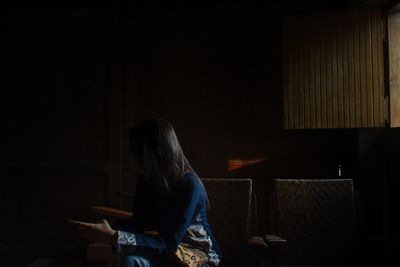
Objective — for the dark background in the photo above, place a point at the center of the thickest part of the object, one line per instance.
(73, 80)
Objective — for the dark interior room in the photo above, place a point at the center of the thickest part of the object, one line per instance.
(288, 111)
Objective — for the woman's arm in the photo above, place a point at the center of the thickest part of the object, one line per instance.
(97, 232)
(174, 226)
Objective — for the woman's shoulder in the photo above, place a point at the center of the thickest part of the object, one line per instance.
(190, 177)
(190, 180)
(187, 187)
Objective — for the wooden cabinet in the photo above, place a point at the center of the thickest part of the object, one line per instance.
(333, 70)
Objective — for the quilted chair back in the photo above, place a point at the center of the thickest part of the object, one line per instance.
(229, 215)
(318, 219)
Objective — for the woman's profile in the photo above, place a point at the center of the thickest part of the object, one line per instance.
(169, 222)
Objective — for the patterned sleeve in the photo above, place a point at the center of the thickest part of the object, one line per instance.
(125, 238)
(126, 243)
(129, 243)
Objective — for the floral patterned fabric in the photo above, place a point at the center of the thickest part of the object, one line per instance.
(197, 238)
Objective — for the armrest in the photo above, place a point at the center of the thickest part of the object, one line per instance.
(274, 240)
(257, 241)
(111, 212)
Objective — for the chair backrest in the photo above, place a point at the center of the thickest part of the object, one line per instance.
(317, 218)
(229, 214)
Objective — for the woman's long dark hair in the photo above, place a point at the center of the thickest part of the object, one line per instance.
(156, 148)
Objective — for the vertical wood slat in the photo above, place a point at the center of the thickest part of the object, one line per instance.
(394, 63)
(375, 58)
(340, 83)
(380, 69)
(291, 85)
(324, 120)
(357, 63)
(285, 77)
(346, 72)
(335, 55)
(369, 74)
(295, 89)
(329, 72)
(317, 68)
(306, 74)
(363, 85)
(351, 62)
(312, 77)
(335, 75)
(301, 70)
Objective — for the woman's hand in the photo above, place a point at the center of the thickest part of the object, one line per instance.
(97, 232)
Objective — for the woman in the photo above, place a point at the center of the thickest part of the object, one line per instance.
(169, 222)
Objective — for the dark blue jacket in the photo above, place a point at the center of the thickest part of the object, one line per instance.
(170, 216)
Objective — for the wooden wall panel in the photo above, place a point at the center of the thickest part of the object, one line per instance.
(56, 112)
(35, 208)
(336, 61)
(394, 65)
(128, 185)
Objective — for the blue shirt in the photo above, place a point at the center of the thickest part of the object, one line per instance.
(178, 217)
